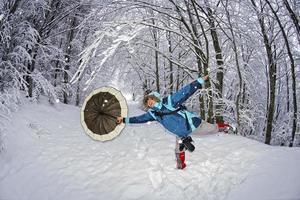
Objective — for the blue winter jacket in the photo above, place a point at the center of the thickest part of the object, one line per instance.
(181, 123)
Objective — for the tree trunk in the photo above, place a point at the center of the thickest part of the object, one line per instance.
(294, 18)
(292, 70)
(240, 86)
(272, 79)
(287, 89)
(70, 37)
(156, 45)
(272, 76)
(57, 68)
(220, 63)
(170, 62)
(178, 74)
(30, 70)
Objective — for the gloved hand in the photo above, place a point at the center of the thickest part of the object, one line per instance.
(120, 120)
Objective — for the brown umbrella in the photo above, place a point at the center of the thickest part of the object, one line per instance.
(100, 111)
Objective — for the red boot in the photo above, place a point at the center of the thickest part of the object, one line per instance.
(180, 160)
(223, 127)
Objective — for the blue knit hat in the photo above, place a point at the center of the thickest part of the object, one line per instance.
(156, 94)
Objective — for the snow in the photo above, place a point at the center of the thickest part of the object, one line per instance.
(48, 156)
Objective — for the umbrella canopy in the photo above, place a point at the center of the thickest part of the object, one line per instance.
(100, 111)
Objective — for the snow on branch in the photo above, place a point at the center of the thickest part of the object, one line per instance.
(113, 34)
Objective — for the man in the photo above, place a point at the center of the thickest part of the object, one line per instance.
(169, 112)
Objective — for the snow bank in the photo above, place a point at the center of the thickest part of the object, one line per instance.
(48, 156)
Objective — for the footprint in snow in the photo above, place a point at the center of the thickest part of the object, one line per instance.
(155, 173)
(38, 129)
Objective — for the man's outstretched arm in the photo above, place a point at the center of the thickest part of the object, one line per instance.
(136, 120)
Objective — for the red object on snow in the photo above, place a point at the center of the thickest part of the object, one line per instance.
(181, 160)
(223, 126)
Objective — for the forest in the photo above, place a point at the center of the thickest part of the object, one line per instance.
(250, 49)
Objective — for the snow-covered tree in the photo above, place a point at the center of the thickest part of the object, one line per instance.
(65, 49)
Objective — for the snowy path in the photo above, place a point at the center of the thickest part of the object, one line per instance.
(49, 156)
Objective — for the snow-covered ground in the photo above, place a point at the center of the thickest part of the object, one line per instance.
(48, 156)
